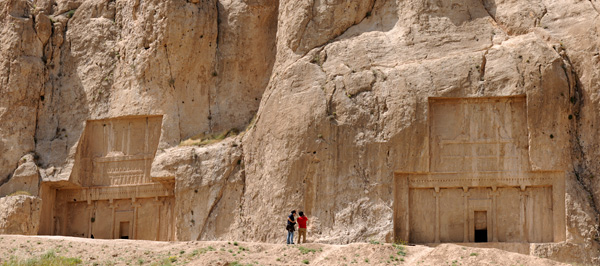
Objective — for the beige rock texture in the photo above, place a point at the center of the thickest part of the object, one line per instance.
(26, 178)
(20, 215)
(212, 182)
(332, 98)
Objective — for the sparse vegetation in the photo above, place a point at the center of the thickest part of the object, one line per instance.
(373, 242)
(304, 250)
(400, 249)
(70, 13)
(316, 59)
(305, 261)
(207, 139)
(20, 193)
(49, 258)
(473, 254)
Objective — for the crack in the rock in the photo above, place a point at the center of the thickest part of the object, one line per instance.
(213, 206)
(483, 63)
(172, 85)
(594, 6)
(215, 73)
(579, 166)
(333, 38)
(483, 3)
(495, 22)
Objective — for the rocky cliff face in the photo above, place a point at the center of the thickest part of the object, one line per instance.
(20, 215)
(339, 91)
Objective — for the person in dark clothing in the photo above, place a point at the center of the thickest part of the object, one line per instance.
(291, 222)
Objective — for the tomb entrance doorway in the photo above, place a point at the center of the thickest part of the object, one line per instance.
(481, 231)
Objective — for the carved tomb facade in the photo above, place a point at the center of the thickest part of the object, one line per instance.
(111, 194)
(480, 186)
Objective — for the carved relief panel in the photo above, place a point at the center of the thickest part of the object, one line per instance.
(119, 151)
(478, 135)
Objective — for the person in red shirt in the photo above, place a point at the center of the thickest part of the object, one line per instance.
(301, 227)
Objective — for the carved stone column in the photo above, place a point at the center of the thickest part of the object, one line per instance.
(111, 205)
(135, 205)
(494, 212)
(466, 214)
(437, 214)
(90, 207)
(523, 224)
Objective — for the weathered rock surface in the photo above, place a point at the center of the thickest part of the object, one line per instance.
(340, 91)
(21, 80)
(25, 178)
(209, 184)
(20, 215)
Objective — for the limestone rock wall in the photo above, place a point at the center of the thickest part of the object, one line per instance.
(192, 62)
(26, 178)
(209, 185)
(339, 91)
(20, 215)
(357, 108)
(21, 81)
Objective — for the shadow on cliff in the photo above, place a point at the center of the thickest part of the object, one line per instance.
(62, 114)
(382, 18)
(461, 12)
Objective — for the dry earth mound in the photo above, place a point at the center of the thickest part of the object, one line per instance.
(139, 252)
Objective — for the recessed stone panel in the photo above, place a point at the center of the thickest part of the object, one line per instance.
(478, 134)
(119, 151)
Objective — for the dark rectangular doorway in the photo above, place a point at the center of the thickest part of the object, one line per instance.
(124, 230)
(481, 233)
(480, 236)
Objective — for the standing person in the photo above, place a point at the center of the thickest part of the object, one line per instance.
(302, 227)
(290, 227)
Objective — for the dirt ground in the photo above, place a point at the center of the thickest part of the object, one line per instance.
(141, 252)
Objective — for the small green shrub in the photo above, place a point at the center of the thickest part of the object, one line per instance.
(400, 249)
(305, 261)
(70, 13)
(473, 254)
(305, 250)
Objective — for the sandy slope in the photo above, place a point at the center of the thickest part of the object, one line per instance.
(130, 252)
